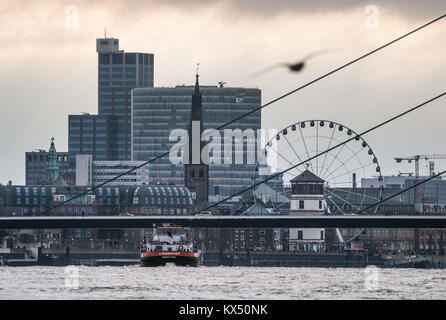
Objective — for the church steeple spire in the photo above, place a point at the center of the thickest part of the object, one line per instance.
(196, 172)
(196, 118)
(197, 84)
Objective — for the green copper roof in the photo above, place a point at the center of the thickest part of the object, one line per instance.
(52, 167)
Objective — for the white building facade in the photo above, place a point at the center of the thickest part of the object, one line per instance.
(307, 199)
(92, 173)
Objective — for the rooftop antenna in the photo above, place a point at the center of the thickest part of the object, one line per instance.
(105, 32)
(198, 65)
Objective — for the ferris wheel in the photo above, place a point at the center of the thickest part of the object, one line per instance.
(343, 169)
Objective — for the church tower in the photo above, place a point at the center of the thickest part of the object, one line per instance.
(196, 172)
(52, 167)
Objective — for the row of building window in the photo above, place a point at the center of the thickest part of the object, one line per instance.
(87, 210)
(159, 211)
(130, 58)
(306, 189)
(381, 233)
(302, 204)
(40, 158)
(237, 230)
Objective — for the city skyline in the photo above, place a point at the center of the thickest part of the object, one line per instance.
(51, 71)
(223, 157)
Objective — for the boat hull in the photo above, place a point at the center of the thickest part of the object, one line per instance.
(160, 258)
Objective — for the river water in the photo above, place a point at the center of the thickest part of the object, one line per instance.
(171, 282)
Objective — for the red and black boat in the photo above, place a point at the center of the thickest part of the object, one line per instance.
(169, 244)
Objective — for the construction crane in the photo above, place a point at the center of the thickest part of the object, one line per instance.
(416, 159)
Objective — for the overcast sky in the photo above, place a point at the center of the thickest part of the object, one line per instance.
(49, 66)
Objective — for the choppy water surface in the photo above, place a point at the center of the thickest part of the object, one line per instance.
(170, 282)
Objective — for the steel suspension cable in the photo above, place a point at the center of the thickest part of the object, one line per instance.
(401, 192)
(254, 110)
(328, 150)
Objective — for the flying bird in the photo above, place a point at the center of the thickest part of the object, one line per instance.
(293, 67)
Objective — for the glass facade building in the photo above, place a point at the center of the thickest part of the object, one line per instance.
(88, 134)
(157, 111)
(107, 136)
(118, 73)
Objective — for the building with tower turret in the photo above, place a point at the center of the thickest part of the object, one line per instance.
(36, 167)
(41, 167)
(52, 167)
(307, 198)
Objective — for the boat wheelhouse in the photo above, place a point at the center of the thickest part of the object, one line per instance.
(169, 243)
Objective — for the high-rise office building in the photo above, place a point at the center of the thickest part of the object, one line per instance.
(118, 73)
(107, 136)
(88, 134)
(157, 111)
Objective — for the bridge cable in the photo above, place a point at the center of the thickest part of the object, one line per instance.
(254, 110)
(327, 150)
(402, 191)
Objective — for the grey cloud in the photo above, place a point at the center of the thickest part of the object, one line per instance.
(412, 9)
